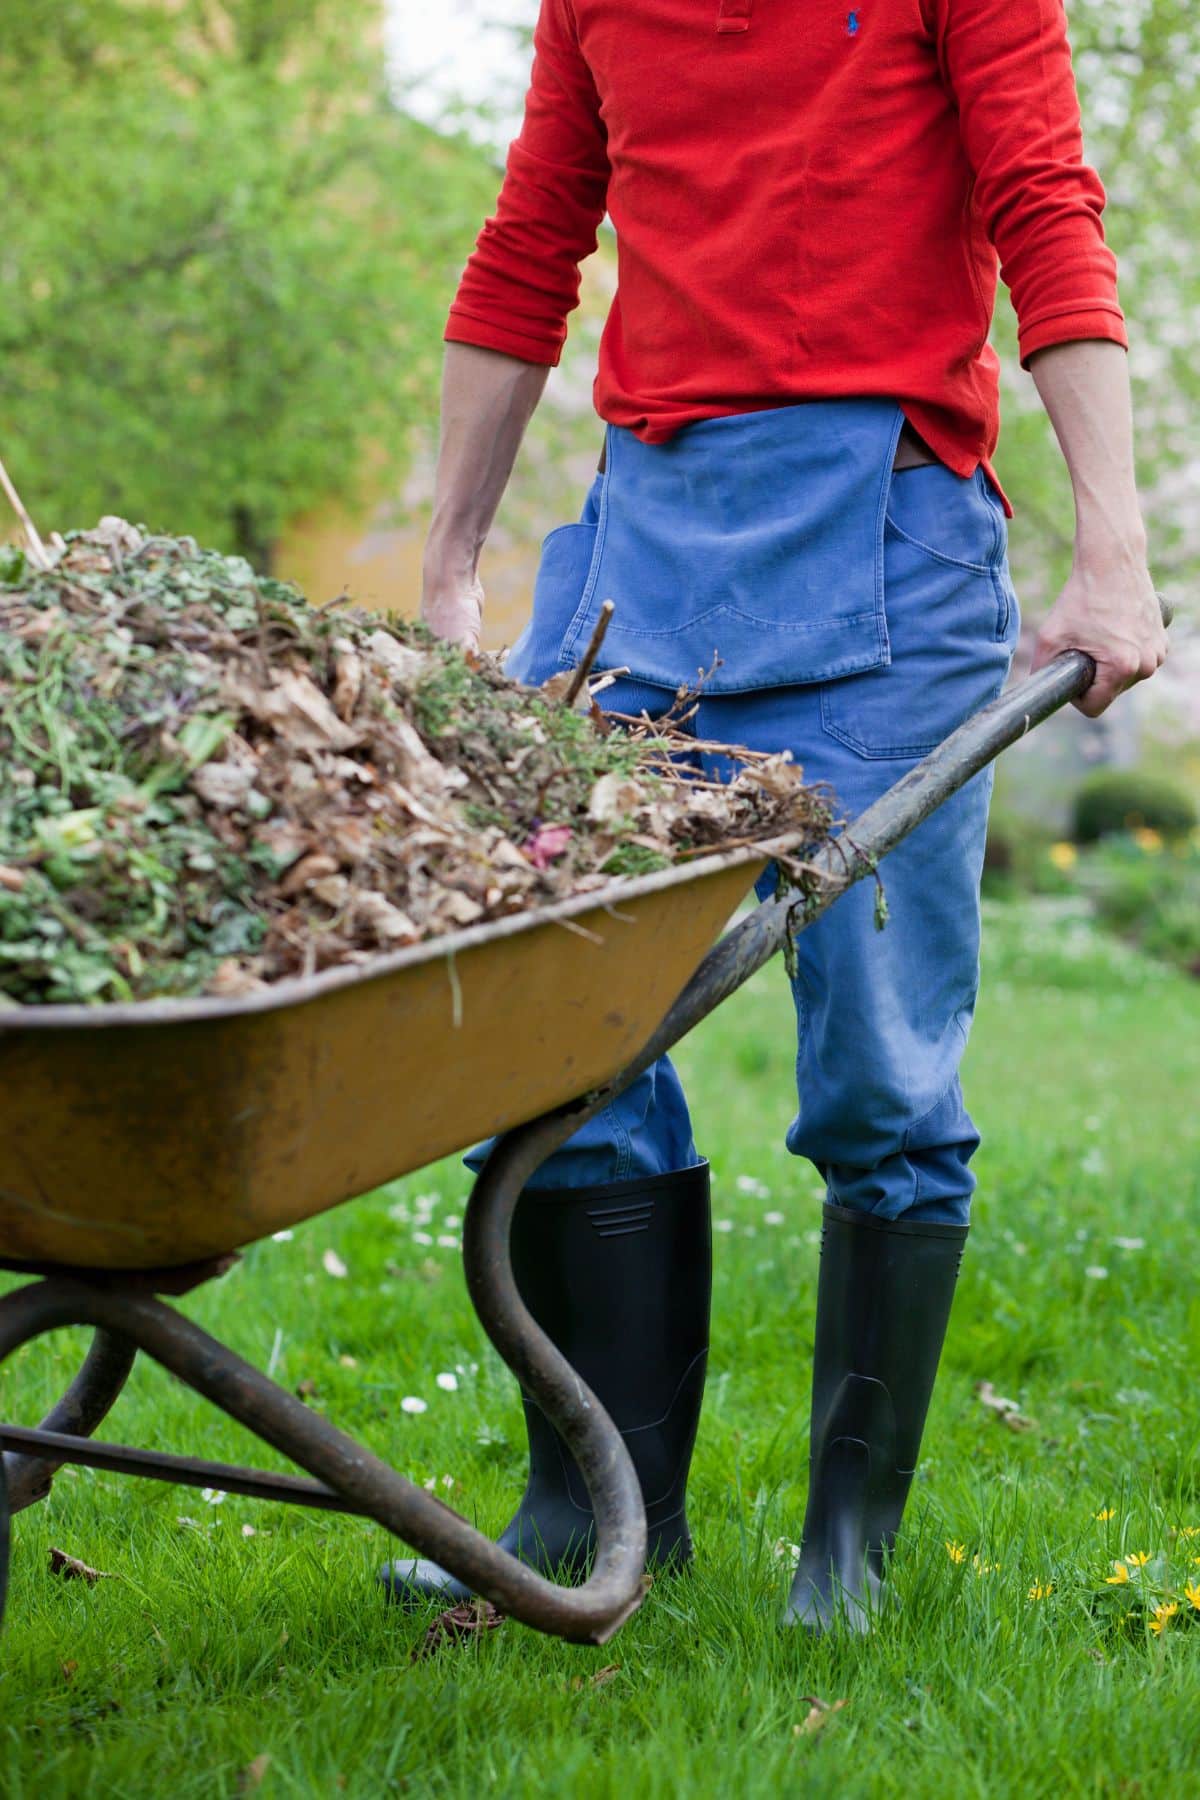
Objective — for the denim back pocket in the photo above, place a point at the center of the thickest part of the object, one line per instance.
(952, 618)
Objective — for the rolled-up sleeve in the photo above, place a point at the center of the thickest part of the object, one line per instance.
(522, 280)
(1008, 66)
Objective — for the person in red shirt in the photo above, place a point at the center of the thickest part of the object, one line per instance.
(812, 208)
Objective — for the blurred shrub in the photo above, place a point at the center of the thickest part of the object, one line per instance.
(1148, 890)
(1122, 800)
(1021, 858)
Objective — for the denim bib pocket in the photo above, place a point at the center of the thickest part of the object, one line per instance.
(568, 555)
(952, 620)
(748, 549)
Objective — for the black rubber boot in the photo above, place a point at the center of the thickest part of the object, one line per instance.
(883, 1303)
(620, 1278)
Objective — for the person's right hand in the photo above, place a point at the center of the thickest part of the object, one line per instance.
(452, 607)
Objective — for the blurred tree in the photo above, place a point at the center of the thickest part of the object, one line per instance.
(225, 257)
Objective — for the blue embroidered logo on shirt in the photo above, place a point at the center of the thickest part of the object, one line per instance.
(852, 25)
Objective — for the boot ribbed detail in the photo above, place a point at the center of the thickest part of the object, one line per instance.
(619, 1277)
(884, 1295)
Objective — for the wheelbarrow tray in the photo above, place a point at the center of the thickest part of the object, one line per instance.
(170, 1132)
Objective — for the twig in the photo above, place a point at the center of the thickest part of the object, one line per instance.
(37, 549)
(592, 652)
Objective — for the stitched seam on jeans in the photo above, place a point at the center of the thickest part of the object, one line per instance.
(906, 1143)
(722, 609)
(1002, 605)
(890, 753)
(939, 556)
(622, 1141)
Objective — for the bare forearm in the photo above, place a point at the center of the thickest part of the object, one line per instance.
(1109, 607)
(1085, 389)
(488, 400)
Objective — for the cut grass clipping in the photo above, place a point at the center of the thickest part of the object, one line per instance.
(207, 785)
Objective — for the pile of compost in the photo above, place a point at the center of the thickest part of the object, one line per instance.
(207, 784)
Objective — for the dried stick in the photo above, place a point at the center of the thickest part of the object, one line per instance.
(592, 652)
(37, 550)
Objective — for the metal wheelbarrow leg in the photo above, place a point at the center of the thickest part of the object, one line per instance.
(128, 1317)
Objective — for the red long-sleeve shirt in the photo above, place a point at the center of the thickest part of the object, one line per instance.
(810, 200)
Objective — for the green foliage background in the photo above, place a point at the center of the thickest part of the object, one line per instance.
(224, 260)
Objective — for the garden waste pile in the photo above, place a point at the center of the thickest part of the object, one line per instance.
(207, 785)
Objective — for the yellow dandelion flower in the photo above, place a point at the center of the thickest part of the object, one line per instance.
(1063, 856)
(1191, 1594)
(1188, 1531)
(955, 1551)
(1146, 838)
(1041, 1590)
(1138, 1558)
(1119, 1575)
(1162, 1614)
(1106, 1512)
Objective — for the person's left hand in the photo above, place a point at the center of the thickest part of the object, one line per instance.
(1110, 609)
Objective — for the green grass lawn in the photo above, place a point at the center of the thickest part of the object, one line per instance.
(237, 1632)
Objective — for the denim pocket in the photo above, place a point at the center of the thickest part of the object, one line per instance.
(951, 519)
(951, 614)
(562, 578)
(748, 548)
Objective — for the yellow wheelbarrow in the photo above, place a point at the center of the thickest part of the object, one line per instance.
(142, 1146)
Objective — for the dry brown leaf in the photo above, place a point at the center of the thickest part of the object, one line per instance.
(347, 680)
(12, 879)
(475, 1618)
(820, 1712)
(310, 868)
(230, 981)
(69, 1669)
(252, 1775)
(1007, 1411)
(403, 664)
(71, 1569)
(383, 921)
(294, 706)
(557, 687)
(615, 797)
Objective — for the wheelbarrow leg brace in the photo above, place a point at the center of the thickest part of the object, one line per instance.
(883, 1302)
(620, 1277)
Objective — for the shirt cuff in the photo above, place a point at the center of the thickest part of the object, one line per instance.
(486, 334)
(1070, 325)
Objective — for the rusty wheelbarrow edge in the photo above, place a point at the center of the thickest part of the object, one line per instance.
(594, 1611)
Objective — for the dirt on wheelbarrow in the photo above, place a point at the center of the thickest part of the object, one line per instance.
(207, 784)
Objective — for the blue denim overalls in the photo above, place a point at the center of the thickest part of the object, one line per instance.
(859, 614)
